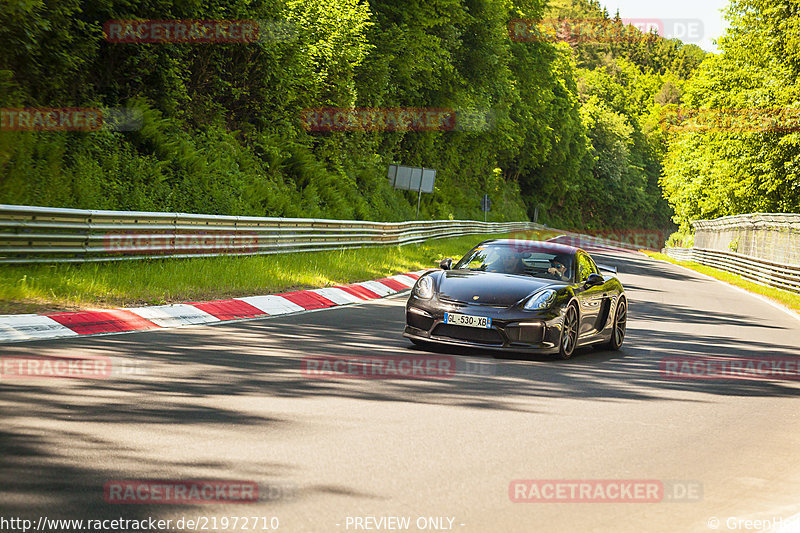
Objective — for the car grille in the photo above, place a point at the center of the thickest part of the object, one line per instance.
(461, 333)
(420, 322)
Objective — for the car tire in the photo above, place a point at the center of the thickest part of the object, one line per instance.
(569, 333)
(618, 327)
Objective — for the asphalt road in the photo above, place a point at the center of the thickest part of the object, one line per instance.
(230, 402)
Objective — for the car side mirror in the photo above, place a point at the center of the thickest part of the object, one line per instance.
(446, 264)
(594, 280)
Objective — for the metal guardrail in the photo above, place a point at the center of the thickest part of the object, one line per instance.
(47, 235)
(784, 277)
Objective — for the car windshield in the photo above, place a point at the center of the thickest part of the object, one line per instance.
(506, 259)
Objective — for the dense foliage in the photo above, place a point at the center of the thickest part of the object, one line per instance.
(571, 125)
(741, 155)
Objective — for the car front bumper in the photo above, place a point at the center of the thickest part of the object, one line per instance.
(511, 331)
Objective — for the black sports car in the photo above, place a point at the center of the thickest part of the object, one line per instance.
(519, 296)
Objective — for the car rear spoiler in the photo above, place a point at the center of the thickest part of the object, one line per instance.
(611, 269)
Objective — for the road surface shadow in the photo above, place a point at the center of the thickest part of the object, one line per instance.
(186, 377)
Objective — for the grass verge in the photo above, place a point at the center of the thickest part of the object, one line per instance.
(785, 298)
(57, 287)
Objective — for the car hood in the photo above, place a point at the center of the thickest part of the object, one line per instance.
(490, 288)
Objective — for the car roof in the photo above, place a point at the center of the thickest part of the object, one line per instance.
(525, 245)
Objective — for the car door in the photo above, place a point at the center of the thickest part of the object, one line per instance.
(591, 298)
(609, 296)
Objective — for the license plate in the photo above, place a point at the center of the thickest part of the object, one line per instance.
(467, 320)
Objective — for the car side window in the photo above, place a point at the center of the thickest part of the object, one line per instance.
(475, 264)
(585, 267)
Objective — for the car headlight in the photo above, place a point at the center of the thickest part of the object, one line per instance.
(541, 300)
(424, 288)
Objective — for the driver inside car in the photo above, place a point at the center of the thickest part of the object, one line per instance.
(558, 268)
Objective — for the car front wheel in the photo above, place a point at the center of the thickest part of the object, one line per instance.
(569, 333)
(619, 326)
